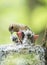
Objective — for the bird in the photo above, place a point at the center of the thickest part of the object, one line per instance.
(17, 27)
(22, 32)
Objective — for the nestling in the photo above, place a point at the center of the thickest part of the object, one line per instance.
(23, 32)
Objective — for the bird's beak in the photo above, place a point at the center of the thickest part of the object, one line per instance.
(19, 34)
(11, 32)
(35, 37)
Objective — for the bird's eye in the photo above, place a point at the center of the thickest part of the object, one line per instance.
(12, 27)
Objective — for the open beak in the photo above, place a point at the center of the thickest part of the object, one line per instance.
(35, 37)
(19, 34)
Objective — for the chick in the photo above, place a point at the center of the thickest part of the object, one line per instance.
(23, 32)
(14, 39)
(27, 37)
(17, 27)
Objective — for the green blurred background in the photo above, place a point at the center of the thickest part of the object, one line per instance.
(32, 13)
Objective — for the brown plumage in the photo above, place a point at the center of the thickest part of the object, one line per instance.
(17, 27)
